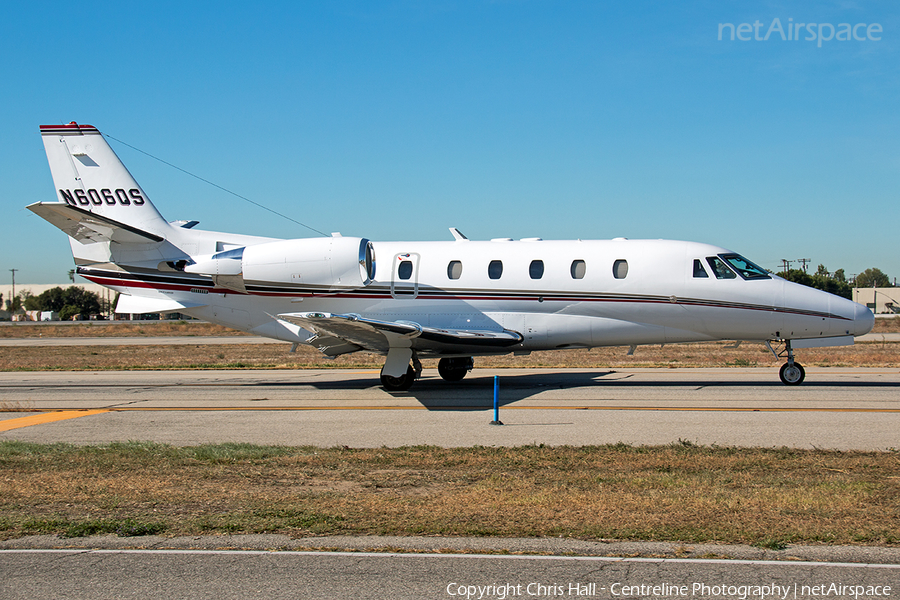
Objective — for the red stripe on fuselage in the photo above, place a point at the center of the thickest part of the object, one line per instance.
(111, 282)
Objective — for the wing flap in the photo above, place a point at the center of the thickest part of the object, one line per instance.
(379, 336)
(88, 227)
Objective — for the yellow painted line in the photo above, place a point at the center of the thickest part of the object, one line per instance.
(47, 417)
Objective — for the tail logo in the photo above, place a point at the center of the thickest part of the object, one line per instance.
(104, 196)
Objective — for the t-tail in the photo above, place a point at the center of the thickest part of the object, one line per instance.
(121, 241)
(98, 199)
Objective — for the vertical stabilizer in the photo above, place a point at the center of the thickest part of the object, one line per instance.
(88, 175)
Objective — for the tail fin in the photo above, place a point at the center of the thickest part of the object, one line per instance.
(89, 176)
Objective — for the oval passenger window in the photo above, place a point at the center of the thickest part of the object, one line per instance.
(578, 268)
(495, 269)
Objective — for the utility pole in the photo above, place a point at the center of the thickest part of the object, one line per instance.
(786, 265)
(803, 262)
(13, 271)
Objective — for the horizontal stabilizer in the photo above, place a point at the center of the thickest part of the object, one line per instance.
(380, 336)
(88, 227)
(137, 305)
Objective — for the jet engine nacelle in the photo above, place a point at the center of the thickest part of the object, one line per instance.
(330, 263)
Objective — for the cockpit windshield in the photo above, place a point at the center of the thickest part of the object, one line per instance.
(719, 268)
(744, 267)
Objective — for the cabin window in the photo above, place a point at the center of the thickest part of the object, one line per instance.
(620, 269)
(454, 269)
(536, 269)
(744, 267)
(495, 269)
(699, 271)
(720, 268)
(405, 269)
(577, 269)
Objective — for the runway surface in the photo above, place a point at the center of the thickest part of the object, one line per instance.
(834, 408)
(115, 574)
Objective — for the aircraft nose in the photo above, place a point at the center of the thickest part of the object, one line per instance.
(863, 320)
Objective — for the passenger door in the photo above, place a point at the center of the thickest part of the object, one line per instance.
(405, 275)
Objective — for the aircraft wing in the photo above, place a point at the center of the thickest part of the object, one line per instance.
(88, 227)
(339, 334)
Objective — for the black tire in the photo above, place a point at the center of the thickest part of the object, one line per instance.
(454, 369)
(792, 374)
(399, 384)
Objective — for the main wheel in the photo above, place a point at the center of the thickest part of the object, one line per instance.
(399, 384)
(454, 369)
(792, 374)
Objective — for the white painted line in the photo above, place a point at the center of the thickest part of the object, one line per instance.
(436, 555)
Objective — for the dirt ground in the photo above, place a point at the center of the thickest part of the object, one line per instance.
(278, 356)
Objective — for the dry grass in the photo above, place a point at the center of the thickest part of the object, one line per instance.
(114, 329)
(277, 356)
(674, 493)
(189, 328)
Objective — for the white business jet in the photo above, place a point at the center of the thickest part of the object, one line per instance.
(450, 300)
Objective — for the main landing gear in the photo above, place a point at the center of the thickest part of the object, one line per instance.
(399, 384)
(450, 369)
(454, 369)
(792, 372)
(405, 381)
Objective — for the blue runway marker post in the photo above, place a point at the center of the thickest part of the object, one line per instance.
(496, 420)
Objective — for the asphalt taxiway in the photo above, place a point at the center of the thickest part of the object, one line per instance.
(835, 408)
(239, 574)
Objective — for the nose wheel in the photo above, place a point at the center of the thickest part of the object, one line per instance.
(792, 372)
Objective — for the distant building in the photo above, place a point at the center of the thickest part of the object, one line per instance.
(880, 301)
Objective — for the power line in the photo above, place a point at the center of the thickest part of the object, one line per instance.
(215, 185)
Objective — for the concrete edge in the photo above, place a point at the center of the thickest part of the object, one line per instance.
(466, 545)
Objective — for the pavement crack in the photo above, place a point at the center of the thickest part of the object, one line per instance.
(125, 404)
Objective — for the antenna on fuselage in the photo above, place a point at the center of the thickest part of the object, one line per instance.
(457, 234)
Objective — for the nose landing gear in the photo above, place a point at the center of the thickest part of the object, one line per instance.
(792, 372)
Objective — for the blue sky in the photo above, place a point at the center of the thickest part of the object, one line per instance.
(397, 120)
